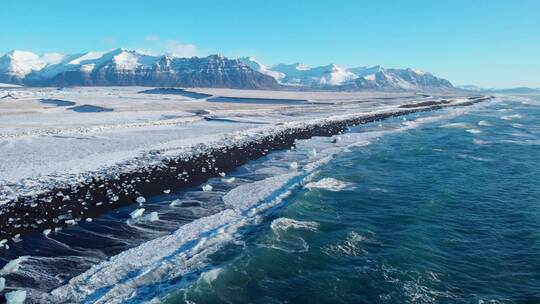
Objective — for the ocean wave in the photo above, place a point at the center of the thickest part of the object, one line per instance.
(285, 236)
(330, 184)
(482, 159)
(292, 245)
(517, 126)
(485, 123)
(528, 142)
(473, 131)
(283, 224)
(419, 293)
(457, 125)
(348, 247)
(512, 117)
(211, 275)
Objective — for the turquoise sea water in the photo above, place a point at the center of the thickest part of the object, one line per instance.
(445, 212)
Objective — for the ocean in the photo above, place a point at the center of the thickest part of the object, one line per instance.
(435, 207)
(445, 212)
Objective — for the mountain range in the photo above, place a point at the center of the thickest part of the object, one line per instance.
(123, 67)
(518, 90)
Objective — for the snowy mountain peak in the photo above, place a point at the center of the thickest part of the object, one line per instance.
(261, 68)
(21, 55)
(123, 66)
(15, 65)
(419, 72)
(126, 67)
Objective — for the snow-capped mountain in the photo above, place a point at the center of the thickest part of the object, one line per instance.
(359, 78)
(259, 67)
(16, 65)
(323, 76)
(123, 67)
(399, 79)
(517, 90)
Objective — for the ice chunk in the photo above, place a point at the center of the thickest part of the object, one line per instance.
(13, 265)
(228, 180)
(16, 297)
(167, 191)
(140, 200)
(176, 202)
(136, 213)
(2, 284)
(207, 188)
(47, 231)
(152, 217)
(88, 219)
(293, 166)
(222, 174)
(16, 238)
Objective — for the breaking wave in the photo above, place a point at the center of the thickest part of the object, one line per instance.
(330, 184)
(284, 224)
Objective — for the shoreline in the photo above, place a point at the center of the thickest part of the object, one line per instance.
(63, 206)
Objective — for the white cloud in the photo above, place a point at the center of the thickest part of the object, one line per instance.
(169, 46)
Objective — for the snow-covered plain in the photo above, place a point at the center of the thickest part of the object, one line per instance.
(43, 145)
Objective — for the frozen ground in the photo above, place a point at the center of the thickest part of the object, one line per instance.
(47, 134)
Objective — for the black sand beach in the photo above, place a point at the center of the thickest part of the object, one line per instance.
(65, 206)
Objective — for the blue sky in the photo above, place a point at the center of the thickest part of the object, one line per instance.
(488, 43)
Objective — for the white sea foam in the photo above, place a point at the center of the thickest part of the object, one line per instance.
(330, 184)
(512, 117)
(473, 131)
(457, 125)
(350, 246)
(482, 159)
(517, 126)
(480, 142)
(485, 123)
(211, 275)
(284, 224)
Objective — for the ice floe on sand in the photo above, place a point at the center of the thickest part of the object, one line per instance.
(16, 297)
(118, 279)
